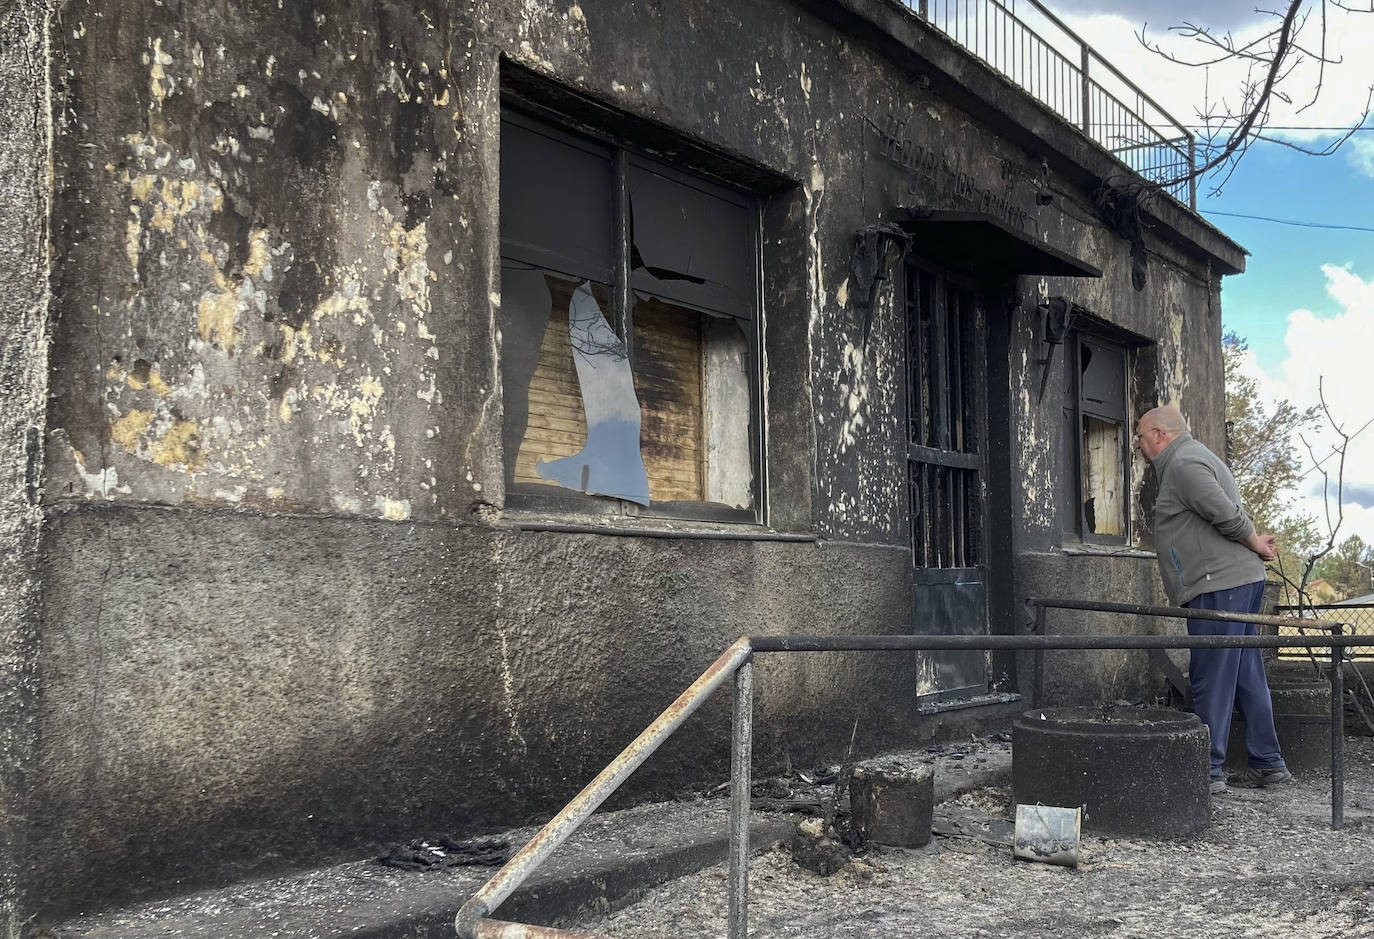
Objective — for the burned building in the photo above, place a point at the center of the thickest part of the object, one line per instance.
(405, 400)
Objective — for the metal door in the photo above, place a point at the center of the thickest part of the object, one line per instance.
(946, 473)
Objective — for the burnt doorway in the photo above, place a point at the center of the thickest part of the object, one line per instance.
(946, 470)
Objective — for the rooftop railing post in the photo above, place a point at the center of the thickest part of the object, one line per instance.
(1192, 176)
(1087, 91)
(1337, 731)
(741, 752)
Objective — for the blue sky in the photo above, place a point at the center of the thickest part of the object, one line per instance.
(1306, 301)
(1284, 270)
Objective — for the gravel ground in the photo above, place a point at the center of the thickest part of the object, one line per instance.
(1270, 867)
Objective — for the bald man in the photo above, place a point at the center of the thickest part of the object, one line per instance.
(1212, 558)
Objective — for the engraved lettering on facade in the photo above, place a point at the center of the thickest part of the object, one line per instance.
(932, 173)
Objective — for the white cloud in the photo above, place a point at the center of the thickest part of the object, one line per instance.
(1187, 92)
(1360, 153)
(1335, 350)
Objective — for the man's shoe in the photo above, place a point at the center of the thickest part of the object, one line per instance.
(1257, 778)
(1217, 786)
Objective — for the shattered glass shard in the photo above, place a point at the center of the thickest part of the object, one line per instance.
(609, 464)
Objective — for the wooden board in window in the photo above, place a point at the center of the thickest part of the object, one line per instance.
(557, 424)
(668, 380)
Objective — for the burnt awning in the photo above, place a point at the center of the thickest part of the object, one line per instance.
(987, 246)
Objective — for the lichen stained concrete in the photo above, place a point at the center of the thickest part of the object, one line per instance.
(260, 221)
(25, 266)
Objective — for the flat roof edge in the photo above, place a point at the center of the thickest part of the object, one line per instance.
(897, 33)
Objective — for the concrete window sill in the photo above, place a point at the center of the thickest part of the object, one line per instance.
(1107, 551)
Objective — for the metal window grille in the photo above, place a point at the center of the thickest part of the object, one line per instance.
(945, 463)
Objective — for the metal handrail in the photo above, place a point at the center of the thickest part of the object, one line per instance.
(1160, 150)
(473, 922)
(1040, 605)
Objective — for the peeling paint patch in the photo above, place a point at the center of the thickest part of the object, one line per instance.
(128, 431)
(103, 483)
(133, 243)
(347, 504)
(853, 384)
(218, 310)
(215, 316)
(158, 83)
(179, 446)
(814, 194)
(362, 407)
(397, 510)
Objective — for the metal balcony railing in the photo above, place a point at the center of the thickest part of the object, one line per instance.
(1029, 45)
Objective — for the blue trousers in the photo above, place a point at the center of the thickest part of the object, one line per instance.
(1226, 678)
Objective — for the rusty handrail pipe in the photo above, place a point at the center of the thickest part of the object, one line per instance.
(472, 922)
(1181, 612)
(499, 929)
(1024, 642)
(562, 825)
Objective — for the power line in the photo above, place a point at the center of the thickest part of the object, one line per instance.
(1287, 221)
(1221, 127)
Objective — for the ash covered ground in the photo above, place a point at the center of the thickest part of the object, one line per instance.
(1270, 866)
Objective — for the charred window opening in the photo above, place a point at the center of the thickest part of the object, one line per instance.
(629, 339)
(1096, 440)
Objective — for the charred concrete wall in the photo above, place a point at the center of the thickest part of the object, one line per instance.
(288, 615)
(24, 188)
(263, 691)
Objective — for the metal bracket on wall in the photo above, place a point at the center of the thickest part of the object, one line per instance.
(870, 265)
(1058, 316)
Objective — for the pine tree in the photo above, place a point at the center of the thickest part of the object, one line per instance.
(1262, 457)
(1347, 569)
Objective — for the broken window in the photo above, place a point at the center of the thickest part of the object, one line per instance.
(629, 346)
(1096, 439)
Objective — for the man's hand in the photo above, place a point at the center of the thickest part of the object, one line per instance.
(1263, 545)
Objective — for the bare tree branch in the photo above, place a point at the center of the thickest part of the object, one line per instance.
(1273, 58)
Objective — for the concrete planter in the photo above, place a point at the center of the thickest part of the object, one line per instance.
(1141, 772)
(1302, 718)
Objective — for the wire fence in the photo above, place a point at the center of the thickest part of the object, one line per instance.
(1357, 618)
(1032, 47)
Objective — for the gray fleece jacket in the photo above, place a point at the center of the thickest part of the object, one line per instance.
(1199, 524)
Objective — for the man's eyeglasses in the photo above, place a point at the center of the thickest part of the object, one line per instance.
(1149, 430)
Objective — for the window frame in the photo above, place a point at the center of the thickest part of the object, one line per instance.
(1077, 525)
(623, 156)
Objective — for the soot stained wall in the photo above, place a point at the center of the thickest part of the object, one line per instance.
(284, 619)
(256, 207)
(225, 693)
(24, 147)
